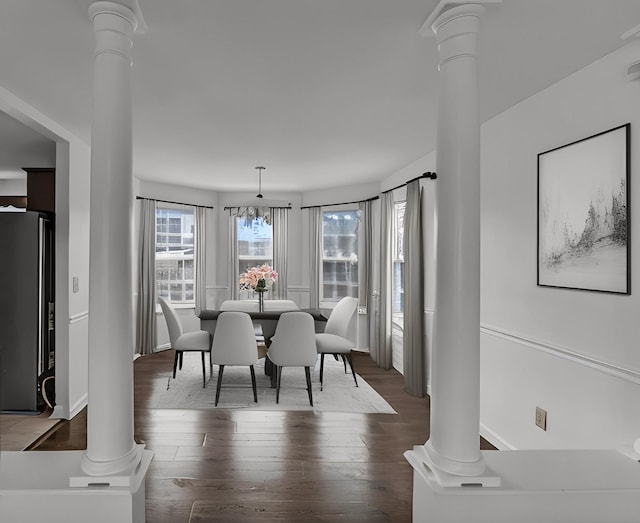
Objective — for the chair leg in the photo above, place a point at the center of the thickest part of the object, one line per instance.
(321, 369)
(344, 360)
(175, 363)
(253, 384)
(307, 372)
(204, 372)
(279, 372)
(219, 385)
(181, 356)
(210, 365)
(350, 360)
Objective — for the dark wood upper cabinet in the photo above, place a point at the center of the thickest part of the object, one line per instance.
(41, 189)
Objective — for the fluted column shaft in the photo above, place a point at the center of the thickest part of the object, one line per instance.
(453, 445)
(110, 444)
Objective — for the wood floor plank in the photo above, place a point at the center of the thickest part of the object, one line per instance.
(222, 465)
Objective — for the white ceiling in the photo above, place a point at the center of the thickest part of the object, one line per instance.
(323, 93)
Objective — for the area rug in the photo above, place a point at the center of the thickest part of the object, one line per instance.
(338, 395)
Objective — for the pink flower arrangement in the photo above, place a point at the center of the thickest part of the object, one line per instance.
(250, 279)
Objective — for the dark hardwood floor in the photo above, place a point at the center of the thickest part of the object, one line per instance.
(237, 466)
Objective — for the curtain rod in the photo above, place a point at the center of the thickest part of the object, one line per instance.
(175, 203)
(342, 203)
(428, 174)
(269, 206)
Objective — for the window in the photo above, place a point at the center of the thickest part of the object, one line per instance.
(397, 290)
(339, 255)
(255, 242)
(398, 258)
(174, 254)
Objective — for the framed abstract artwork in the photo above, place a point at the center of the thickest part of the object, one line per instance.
(583, 214)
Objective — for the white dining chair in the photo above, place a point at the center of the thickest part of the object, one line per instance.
(293, 345)
(195, 341)
(234, 343)
(334, 339)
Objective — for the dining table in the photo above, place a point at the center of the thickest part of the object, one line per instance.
(265, 324)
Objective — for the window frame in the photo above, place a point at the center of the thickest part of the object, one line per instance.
(259, 260)
(183, 281)
(331, 303)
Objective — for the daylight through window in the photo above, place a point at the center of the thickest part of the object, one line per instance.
(339, 255)
(174, 254)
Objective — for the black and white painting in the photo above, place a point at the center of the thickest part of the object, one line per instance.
(583, 214)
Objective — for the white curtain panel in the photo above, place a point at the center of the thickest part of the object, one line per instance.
(233, 253)
(315, 255)
(413, 340)
(365, 286)
(146, 307)
(280, 224)
(381, 350)
(200, 259)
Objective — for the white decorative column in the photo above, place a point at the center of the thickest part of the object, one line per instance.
(105, 483)
(452, 452)
(110, 446)
(450, 473)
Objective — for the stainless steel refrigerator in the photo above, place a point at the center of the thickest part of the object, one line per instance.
(27, 346)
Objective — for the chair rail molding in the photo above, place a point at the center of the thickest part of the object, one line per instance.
(611, 369)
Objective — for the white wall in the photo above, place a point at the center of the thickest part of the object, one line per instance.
(72, 253)
(13, 186)
(573, 353)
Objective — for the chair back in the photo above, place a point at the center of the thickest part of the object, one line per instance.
(173, 322)
(340, 317)
(234, 341)
(294, 343)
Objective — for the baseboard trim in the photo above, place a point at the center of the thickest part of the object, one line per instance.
(61, 412)
(564, 353)
(494, 439)
(79, 405)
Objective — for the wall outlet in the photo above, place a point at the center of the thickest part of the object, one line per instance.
(541, 418)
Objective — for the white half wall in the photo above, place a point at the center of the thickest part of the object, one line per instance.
(573, 353)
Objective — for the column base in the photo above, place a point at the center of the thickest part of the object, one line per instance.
(555, 486)
(448, 473)
(34, 486)
(119, 473)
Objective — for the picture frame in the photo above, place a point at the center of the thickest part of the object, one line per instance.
(584, 214)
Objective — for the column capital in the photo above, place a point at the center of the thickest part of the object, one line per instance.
(126, 9)
(428, 28)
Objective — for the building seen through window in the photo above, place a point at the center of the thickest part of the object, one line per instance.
(339, 255)
(255, 243)
(174, 254)
(398, 258)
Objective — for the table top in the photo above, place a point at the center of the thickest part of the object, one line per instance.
(316, 314)
(254, 305)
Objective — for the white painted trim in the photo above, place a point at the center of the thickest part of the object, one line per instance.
(79, 405)
(564, 353)
(61, 412)
(293, 288)
(75, 318)
(494, 439)
(425, 29)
